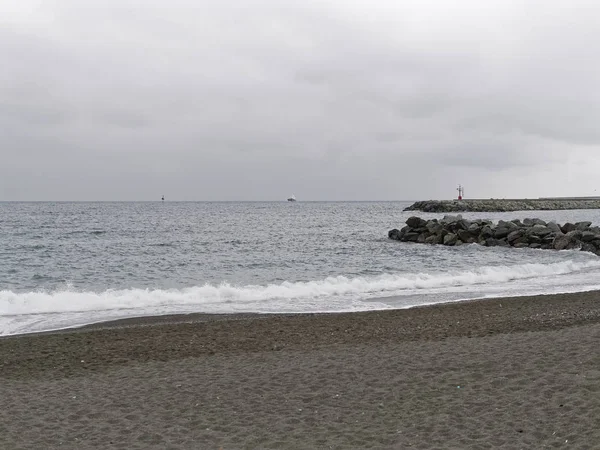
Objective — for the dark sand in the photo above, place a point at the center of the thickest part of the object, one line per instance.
(504, 373)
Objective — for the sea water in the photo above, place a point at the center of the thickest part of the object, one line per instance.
(69, 264)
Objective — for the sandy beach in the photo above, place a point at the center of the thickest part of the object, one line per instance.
(502, 373)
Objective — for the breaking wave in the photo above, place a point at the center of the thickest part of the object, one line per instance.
(36, 311)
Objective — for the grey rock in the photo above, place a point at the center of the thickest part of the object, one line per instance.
(416, 222)
(486, 232)
(582, 226)
(565, 242)
(539, 230)
(411, 236)
(550, 238)
(533, 233)
(588, 236)
(492, 242)
(434, 239)
(466, 236)
(500, 205)
(514, 235)
(554, 227)
(568, 227)
(533, 239)
(436, 228)
(575, 234)
(587, 247)
(448, 219)
(475, 228)
(501, 232)
(450, 239)
(463, 224)
(394, 234)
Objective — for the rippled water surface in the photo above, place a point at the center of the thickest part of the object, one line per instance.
(64, 264)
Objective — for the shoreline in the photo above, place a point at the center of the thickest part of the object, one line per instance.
(517, 372)
(227, 332)
(202, 317)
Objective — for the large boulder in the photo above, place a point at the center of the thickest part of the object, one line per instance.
(568, 227)
(514, 235)
(539, 230)
(462, 224)
(588, 247)
(533, 239)
(501, 232)
(434, 239)
(467, 236)
(411, 236)
(450, 239)
(582, 226)
(554, 227)
(434, 227)
(394, 234)
(475, 228)
(588, 236)
(416, 222)
(493, 242)
(565, 241)
(450, 221)
(511, 226)
(486, 232)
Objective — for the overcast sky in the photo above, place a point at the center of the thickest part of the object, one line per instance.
(329, 100)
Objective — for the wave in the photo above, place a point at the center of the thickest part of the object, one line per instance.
(315, 296)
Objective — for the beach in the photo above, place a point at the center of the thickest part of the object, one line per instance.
(508, 373)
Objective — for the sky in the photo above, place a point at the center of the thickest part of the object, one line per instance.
(327, 100)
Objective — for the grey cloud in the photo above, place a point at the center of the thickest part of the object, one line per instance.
(362, 100)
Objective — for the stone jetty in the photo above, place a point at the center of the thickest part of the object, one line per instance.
(531, 233)
(503, 205)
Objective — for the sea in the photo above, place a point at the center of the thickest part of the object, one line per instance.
(68, 264)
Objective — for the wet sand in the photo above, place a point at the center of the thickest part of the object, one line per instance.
(504, 373)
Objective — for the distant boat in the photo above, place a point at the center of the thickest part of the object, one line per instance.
(292, 198)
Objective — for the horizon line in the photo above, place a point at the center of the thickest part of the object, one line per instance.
(196, 201)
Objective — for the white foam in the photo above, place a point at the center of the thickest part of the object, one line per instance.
(36, 311)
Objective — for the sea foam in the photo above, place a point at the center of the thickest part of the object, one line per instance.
(70, 307)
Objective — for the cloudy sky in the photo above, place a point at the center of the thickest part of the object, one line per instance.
(330, 99)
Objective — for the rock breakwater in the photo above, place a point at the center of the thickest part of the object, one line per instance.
(531, 233)
(501, 205)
